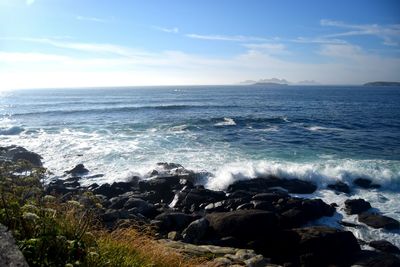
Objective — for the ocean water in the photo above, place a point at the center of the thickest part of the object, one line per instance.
(317, 133)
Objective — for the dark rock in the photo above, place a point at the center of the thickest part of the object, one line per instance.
(216, 207)
(15, 153)
(195, 231)
(365, 183)
(263, 205)
(10, 255)
(340, 187)
(195, 197)
(115, 189)
(367, 258)
(272, 196)
(137, 205)
(78, 170)
(322, 245)
(378, 221)
(245, 206)
(263, 185)
(118, 202)
(173, 221)
(243, 224)
(163, 186)
(356, 206)
(384, 246)
(349, 224)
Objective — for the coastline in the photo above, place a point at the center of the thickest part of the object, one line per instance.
(271, 216)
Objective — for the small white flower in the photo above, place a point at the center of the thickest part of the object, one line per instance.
(29, 216)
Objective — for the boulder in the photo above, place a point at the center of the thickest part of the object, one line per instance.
(263, 185)
(367, 258)
(193, 198)
(376, 220)
(173, 221)
(163, 187)
(340, 187)
(15, 153)
(10, 255)
(365, 183)
(356, 206)
(78, 170)
(137, 205)
(243, 224)
(115, 189)
(384, 246)
(321, 246)
(195, 231)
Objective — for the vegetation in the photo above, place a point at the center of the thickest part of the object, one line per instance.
(51, 232)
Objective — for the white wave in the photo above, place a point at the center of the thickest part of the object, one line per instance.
(322, 129)
(179, 128)
(320, 172)
(226, 122)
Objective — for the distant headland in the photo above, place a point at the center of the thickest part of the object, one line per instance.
(380, 83)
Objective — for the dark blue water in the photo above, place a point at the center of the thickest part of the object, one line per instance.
(210, 127)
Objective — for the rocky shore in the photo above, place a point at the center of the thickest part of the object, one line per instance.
(255, 222)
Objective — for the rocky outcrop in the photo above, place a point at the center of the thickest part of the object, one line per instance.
(365, 183)
(376, 220)
(384, 246)
(356, 206)
(15, 153)
(10, 255)
(340, 187)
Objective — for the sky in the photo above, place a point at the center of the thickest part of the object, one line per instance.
(74, 43)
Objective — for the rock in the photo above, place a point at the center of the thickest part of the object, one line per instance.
(195, 231)
(78, 170)
(320, 245)
(365, 183)
(367, 258)
(137, 205)
(340, 187)
(10, 255)
(115, 189)
(384, 246)
(243, 224)
(118, 202)
(188, 198)
(356, 206)
(174, 235)
(173, 221)
(15, 153)
(378, 221)
(162, 186)
(272, 196)
(263, 185)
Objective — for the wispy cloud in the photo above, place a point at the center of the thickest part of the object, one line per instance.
(318, 40)
(230, 38)
(269, 48)
(168, 30)
(92, 19)
(390, 34)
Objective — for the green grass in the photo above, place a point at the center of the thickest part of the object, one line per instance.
(50, 232)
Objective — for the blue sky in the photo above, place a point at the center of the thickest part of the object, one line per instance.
(65, 43)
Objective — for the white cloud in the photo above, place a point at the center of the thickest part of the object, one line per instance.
(390, 34)
(269, 48)
(29, 2)
(318, 40)
(231, 38)
(168, 30)
(93, 19)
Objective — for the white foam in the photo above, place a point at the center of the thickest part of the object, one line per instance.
(226, 122)
(322, 129)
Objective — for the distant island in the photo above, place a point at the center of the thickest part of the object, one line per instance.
(379, 83)
(270, 84)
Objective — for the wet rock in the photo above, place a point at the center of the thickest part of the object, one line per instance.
(365, 183)
(384, 246)
(163, 187)
(15, 153)
(271, 196)
(118, 202)
(340, 187)
(188, 198)
(195, 231)
(10, 255)
(115, 189)
(243, 224)
(78, 170)
(378, 221)
(356, 206)
(367, 258)
(173, 221)
(263, 185)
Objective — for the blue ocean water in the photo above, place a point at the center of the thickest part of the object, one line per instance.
(318, 133)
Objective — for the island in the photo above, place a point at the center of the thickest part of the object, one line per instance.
(379, 83)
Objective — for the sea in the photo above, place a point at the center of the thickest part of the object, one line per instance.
(315, 133)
